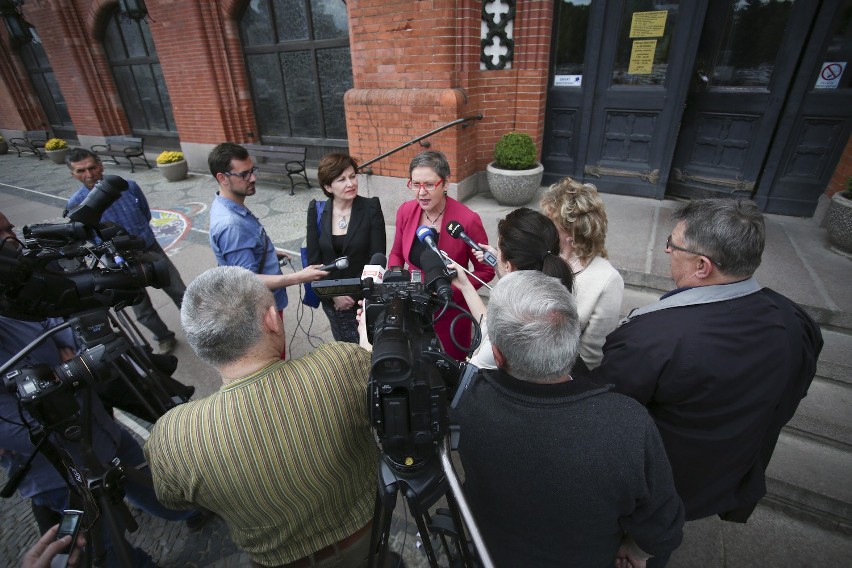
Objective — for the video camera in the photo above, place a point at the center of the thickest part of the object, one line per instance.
(411, 376)
(63, 268)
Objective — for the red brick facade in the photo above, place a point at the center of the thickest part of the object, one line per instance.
(415, 66)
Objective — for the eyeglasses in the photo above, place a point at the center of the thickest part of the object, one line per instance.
(427, 185)
(245, 175)
(670, 245)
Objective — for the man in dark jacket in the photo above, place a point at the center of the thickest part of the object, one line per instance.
(559, 471)
(720, 362)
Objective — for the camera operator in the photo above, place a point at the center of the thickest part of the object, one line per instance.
(559, 471)
(49, 492)
(131, 212)
(283, 451)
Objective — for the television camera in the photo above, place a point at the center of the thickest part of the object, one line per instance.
(86, 272)
(411, 383)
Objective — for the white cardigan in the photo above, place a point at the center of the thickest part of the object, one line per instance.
(598, 290)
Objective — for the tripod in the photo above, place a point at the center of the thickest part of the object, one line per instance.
(109, 358)
(421, 489)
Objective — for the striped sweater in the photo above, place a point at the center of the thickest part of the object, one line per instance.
(285, 456)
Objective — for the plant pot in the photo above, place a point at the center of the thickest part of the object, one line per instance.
(57, 156)
(4, 147)
(175, 171)
(838, 221)
(514, 187)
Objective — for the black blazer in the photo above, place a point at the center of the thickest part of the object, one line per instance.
(365, 236)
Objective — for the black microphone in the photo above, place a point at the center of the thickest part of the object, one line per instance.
(455, 229)
(340, 263)
(379, 259)
(435, 275)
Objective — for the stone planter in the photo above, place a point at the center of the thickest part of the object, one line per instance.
(57, 156)
(4, 147)
(838, 221)
(175, 171)
(514, 187)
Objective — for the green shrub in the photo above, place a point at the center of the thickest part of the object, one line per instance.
(515, 151)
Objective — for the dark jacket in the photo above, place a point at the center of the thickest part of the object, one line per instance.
(365, 236)
(555, 474)
(720, 379)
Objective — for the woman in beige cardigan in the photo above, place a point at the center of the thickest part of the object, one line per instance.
(578, 212)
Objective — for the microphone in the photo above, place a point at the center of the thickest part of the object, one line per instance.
(340, 263)
(376, 268)
(426, 235)
(435, 275)
(455, 229)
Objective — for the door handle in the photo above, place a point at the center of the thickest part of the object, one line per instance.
(702, 77)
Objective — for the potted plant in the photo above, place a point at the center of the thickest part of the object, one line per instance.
(56, 148)
(838, 220)
(4, 146)
(172, 165)
(514, 176)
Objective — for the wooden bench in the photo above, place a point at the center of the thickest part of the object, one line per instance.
(125, 147)
(288, 160)
(32, 143)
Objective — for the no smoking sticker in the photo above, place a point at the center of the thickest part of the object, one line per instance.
(830, 74)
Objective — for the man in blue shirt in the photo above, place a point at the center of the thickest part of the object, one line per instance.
(236, 235)
(131, 212)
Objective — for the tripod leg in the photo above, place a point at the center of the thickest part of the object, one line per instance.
(426, 539)
(380, 534)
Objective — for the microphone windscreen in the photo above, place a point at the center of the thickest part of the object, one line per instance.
(379, 259)
(423, 231)
(342, 263)
(455, 229)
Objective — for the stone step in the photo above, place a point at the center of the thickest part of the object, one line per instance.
(810, 480)
(824, 415)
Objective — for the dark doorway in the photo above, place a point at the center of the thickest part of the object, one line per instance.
(746, 98)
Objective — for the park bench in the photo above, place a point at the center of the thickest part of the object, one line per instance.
(32, 142)
(288, 160)
(125, 147)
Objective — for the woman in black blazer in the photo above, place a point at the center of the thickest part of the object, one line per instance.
(349, 225)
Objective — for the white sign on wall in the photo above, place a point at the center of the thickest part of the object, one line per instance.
(830, 74)
(567, 80)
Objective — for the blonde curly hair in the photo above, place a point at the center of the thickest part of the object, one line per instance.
(577, 209)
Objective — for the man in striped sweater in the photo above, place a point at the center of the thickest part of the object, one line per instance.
(283, 451)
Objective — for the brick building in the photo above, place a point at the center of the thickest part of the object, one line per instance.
(370, 75)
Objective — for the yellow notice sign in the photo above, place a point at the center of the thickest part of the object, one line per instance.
(648, 24)
(642, 57)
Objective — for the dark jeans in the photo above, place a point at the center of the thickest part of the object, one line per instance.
(144, 310)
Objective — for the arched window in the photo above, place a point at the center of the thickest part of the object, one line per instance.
(297, 55)
(47, 89)
(136, 69)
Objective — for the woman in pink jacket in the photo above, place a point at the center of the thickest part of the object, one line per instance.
(428, 174)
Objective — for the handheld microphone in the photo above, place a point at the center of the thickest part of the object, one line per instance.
(340, 263)
(455, 229)
(426, 235)
(376, 268)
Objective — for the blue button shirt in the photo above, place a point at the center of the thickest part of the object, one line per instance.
(238, 239)
(130, 211)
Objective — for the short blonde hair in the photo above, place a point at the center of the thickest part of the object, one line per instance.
(577, 208)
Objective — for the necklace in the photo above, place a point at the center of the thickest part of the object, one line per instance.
(435, 222)
(343, 223)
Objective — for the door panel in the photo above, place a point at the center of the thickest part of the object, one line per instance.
(815, 124)
(747, 57)
(638, 97)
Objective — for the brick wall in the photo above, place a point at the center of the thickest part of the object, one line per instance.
(416, 67)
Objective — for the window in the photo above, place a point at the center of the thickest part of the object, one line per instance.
(46, 88)
(136, 68)
(297, 56)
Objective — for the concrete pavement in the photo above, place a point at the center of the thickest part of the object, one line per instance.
(797, 262)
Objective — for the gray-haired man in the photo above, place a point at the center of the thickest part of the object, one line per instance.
(283, 451)
(559, 470)
(720, 362)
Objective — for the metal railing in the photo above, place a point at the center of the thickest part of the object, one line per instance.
(461, 121)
